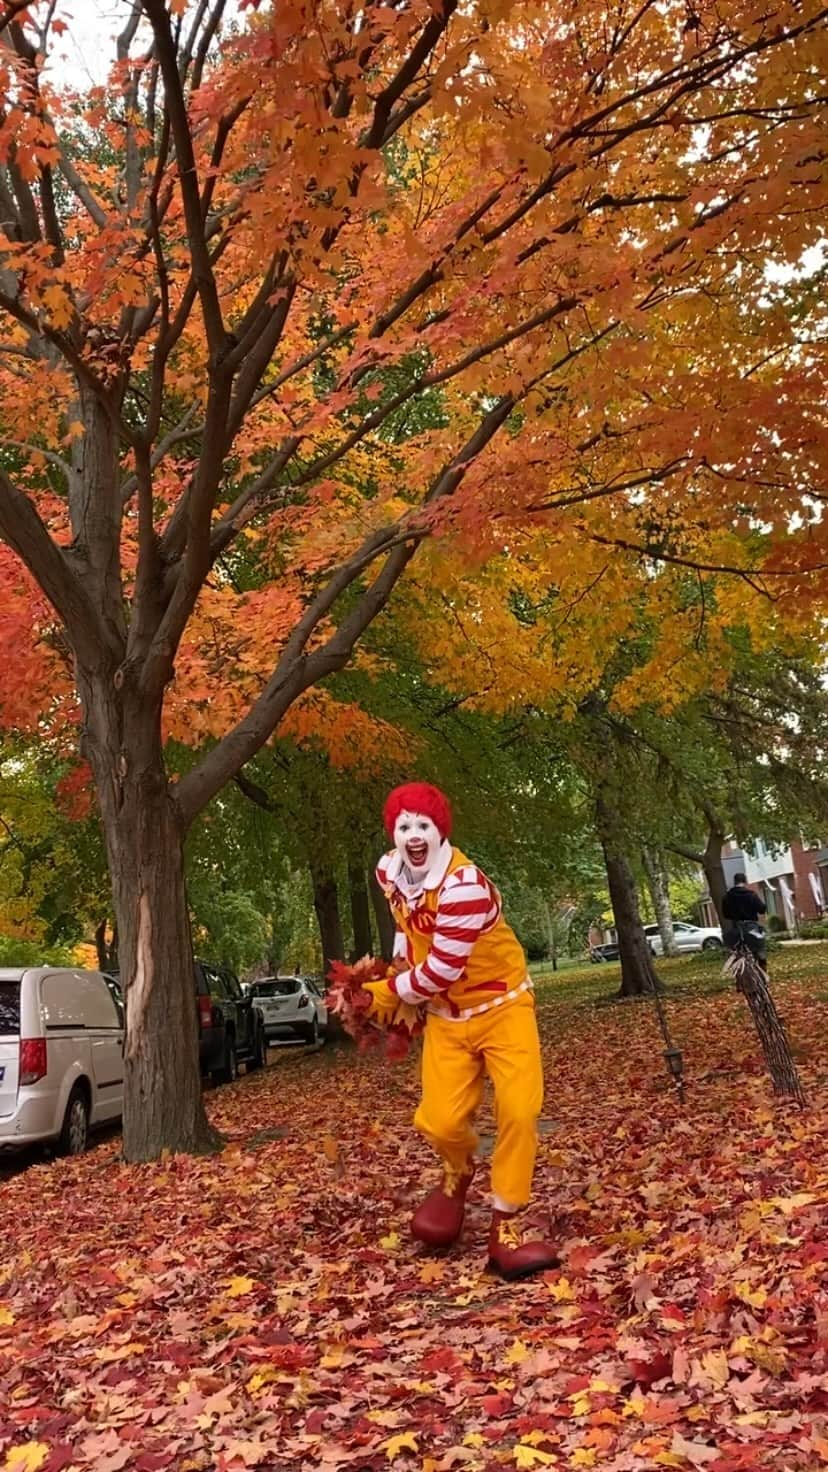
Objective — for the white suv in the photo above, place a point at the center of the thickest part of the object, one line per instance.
(290, 1002)
(688, 937)
(61, 1056)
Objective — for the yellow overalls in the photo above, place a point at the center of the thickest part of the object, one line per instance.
(483, 1024)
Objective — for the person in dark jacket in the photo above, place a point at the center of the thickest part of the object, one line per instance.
(742, 907)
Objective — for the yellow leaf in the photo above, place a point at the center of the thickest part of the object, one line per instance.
(432, 1271)
(6, 1317)
(562, 1290)
(330, 1149)
(262, 1377)
(584, 1456)
(26, 1457)
(716, 1366)
(789, 1204)
(532, 1456)
(405, 1442)
(59, 305)
(473, 1438)
(756, 1297)
(517, 1354)
(238, 1287)
(391, 1242)
(119, 1352)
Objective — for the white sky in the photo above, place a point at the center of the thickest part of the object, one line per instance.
(82, 56)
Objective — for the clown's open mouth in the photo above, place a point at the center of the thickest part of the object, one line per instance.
(416, 851)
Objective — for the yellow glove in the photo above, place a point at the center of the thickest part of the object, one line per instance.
(387, 1007)
(384, 1003)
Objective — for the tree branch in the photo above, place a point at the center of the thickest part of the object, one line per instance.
(158, 16)
(26, 534)
(297, 670)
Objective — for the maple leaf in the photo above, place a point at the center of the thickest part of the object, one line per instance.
(59, 305)
(432, 1272)
(407, 1441)
(28, 1456)
(532, 1456)
(239, 1287)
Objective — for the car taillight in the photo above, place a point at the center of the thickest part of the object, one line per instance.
(205, 1012)
(32, 1060)
(303, 1000)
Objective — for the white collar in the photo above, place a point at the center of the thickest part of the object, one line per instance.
(398, 874)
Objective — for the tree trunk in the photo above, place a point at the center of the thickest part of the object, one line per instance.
(360, 912)
(163, 1106)
(638, 974)
(714, 868)
(655, 870)
(551, 935)
(326, 905)
(382, 915)
(751, 979)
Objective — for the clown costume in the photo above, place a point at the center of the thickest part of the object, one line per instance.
(465, 967)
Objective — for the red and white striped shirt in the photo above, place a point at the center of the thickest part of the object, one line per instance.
(468, 906)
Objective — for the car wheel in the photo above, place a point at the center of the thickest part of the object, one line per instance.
(711, 944)
(312, 1032)
(74, 1134)
(229, 1070)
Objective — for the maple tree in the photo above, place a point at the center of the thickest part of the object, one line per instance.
(306, 294)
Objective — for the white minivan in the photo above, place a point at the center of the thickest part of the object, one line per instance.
(61, 1056)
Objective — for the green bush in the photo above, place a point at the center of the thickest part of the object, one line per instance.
(775, 924)
(814, 930)
(30, 953)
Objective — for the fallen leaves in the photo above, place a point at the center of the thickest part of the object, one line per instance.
(406, 1442)
(267, 1307)
(239, 1287)
(28, 1457)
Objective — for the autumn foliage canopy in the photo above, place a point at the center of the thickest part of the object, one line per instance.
(369, 276)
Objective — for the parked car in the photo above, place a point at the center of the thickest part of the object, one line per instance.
(231, 1027)
(688, 937)
(609, 952)
(291, 1003)
(61, 1056)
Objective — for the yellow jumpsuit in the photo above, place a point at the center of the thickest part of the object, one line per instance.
(481, 1020)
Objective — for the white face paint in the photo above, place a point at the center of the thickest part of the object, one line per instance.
(417, 841)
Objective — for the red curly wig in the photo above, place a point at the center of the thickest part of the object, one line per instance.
(418, 797)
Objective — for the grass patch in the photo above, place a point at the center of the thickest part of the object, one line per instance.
(699, 974)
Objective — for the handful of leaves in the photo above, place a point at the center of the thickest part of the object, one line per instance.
(351, 1003)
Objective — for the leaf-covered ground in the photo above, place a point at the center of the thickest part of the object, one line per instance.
(266, 1308)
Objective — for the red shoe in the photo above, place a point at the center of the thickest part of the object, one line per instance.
(439, 1220)
(510, 1256)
